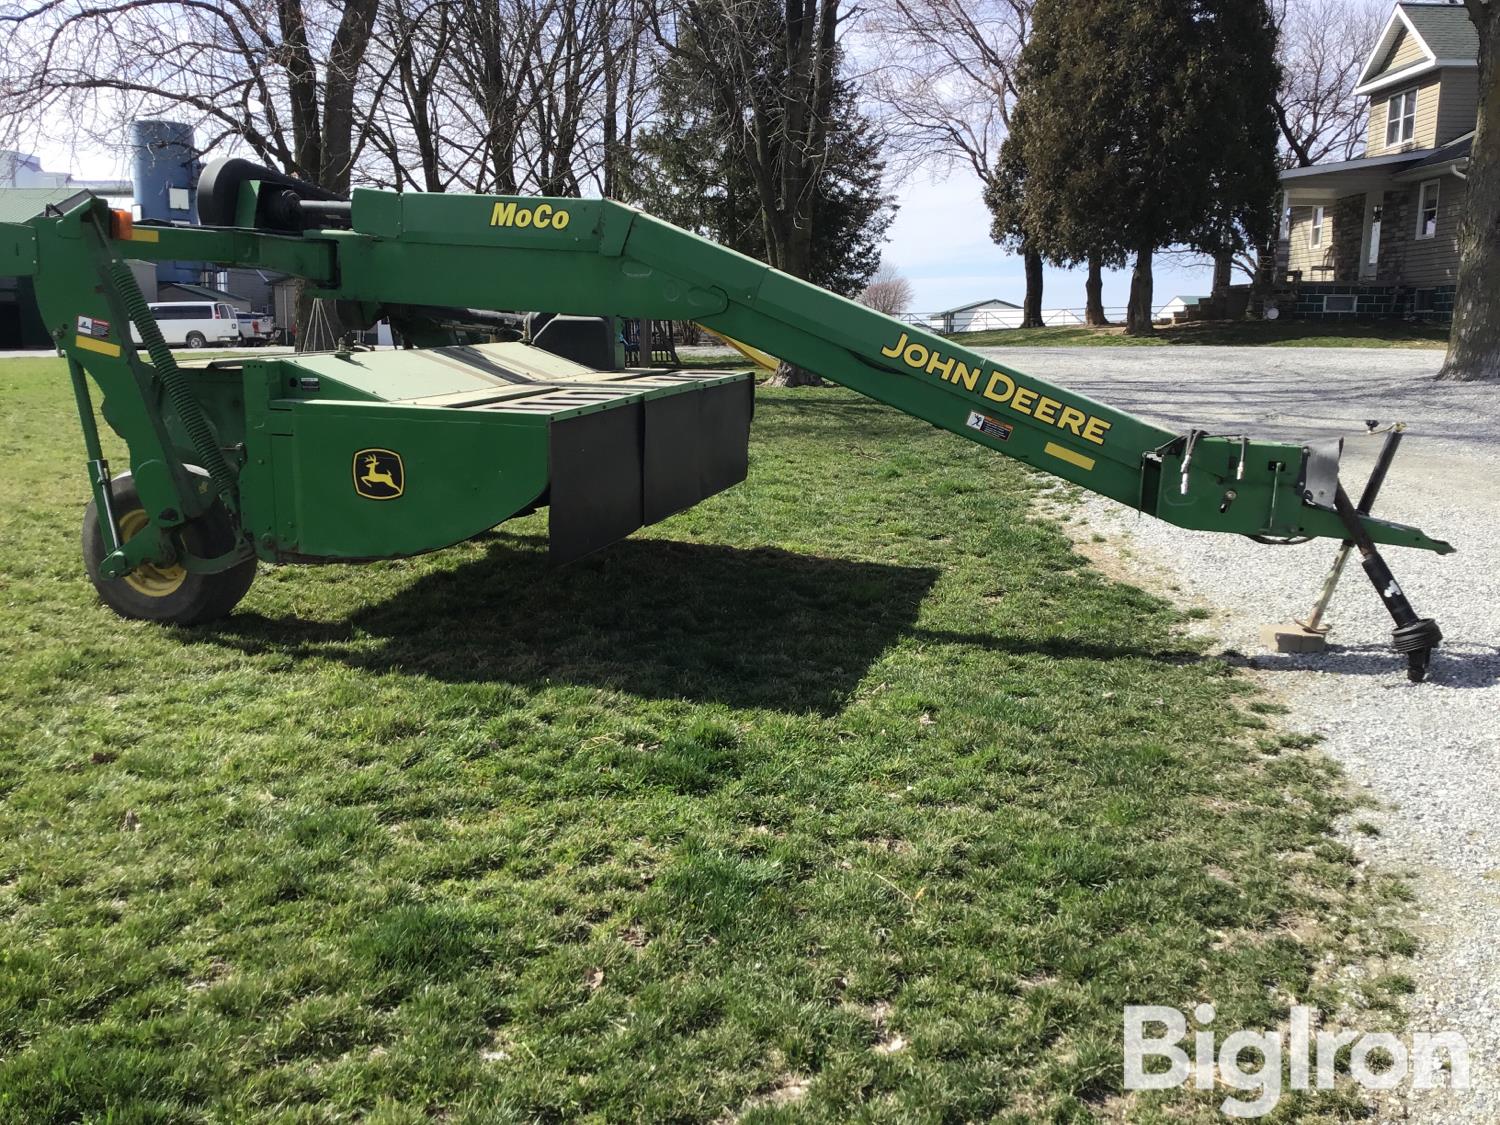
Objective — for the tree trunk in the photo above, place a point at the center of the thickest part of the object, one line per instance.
(1031, 314)
(1138, 319)
(1474, 346)
(1093, 289)
(790, 375)
(1223, 274)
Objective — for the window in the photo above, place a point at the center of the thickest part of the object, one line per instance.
(1315, 236)
(1424, 300)
(1400, 118)
(1340, 303)
(1427, 209)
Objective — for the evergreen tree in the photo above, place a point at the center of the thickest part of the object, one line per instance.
(688, 172)
(1143, 124)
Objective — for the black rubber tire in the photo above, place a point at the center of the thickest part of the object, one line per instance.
(196, 340)
(197, 597)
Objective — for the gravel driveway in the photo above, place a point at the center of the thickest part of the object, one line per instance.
(1430, 752)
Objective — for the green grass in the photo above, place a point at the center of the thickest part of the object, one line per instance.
(1288, 333)
(852, 792)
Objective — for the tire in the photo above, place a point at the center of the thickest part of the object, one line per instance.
(168, 595)
(196, 340)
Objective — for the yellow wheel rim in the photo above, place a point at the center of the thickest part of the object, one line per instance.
(148, 578)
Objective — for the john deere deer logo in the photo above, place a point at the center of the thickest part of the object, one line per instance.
(378, 474)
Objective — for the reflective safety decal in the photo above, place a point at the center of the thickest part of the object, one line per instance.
(379, 474)
(1063, 453)
(103, 347)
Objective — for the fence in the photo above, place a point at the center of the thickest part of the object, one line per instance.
(991, 320)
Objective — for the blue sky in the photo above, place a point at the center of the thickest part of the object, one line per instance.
(940, 242)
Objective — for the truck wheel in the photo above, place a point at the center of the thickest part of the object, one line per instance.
(197, 340)
(170, 595)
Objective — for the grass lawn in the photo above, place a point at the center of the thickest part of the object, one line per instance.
(852, 792)
(1287, 333)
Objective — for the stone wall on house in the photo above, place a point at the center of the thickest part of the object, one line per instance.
(1370, 301)
(1397, 219)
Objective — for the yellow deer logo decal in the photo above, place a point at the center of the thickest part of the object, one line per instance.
(379, 474)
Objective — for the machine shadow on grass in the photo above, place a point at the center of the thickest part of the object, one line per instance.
(744, 627)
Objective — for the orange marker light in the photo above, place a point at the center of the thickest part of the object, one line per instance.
(121, 226)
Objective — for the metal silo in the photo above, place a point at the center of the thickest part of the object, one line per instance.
(164, 170)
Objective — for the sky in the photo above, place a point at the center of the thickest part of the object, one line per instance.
(940, 242)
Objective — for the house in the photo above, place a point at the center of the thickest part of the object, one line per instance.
(1179, 304)
(1378, 236)
(980, 316)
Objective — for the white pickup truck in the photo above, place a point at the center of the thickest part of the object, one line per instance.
(257, 328)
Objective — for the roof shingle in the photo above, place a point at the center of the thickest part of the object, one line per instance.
(1445, 28)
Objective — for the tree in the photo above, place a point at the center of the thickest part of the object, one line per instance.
(687, 172)
(1142, 124)
(768, 73)
(1322, 47)
(1005, 196)
(946, 83)
(1474, 347)
(887, 292)
(281, 80)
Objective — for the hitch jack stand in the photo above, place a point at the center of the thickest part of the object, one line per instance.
(1414, 636)
(1314, 623)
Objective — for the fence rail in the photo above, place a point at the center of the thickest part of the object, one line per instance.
(999, 319)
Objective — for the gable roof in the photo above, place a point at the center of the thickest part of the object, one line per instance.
(977, 305)
(1443, 32)
(1446, 29)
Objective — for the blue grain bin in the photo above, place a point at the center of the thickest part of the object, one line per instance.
(164, 171)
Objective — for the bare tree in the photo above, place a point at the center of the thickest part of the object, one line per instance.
(887, 292)
(279, 77)
(946, 81)
(514, 96)
(1323, 46)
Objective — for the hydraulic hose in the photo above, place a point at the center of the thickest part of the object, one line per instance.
(199, 432)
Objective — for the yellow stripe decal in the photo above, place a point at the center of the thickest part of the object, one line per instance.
(89, 344)
(1062, 453)
(140, 234)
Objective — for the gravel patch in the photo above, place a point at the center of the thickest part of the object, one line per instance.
(1429, 753)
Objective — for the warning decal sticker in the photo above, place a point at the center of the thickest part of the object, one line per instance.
(93, 327)
(992, 427)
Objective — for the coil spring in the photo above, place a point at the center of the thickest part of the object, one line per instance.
(199, 432)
